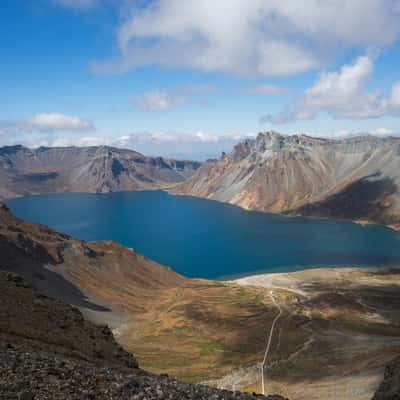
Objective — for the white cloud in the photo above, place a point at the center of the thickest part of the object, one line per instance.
(342, 94)
(266, 89)
(75, 141)
(167, 99)
(383, 132)
(198, 145)
(45, 129)
(9, 128)
(263, 37)
(58, 122)
(158, 100)
(339, 134)
(394, 100)
(77, 4)
(346, 133)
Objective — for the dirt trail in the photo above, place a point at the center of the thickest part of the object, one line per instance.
(271, 333)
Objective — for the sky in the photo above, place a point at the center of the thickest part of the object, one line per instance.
(189, 78)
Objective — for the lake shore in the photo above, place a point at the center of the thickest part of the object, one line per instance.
(349, 314)
(176, 230)
(303, 282)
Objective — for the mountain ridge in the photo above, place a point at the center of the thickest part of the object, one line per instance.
(93, 169)
(356, 178)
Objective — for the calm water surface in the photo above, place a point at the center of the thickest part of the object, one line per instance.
(202, 238)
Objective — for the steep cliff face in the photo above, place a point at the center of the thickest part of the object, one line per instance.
(85, 169)
(356, 178)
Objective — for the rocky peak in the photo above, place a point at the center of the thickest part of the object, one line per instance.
(283, 173)
(276, 141)
(241, 150)
(270, 143)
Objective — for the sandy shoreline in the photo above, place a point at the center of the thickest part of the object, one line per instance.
(351, 314)
(302, 282)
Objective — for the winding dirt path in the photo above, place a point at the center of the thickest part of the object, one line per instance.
(271, 333)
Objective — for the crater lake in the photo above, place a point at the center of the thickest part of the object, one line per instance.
(207, 239)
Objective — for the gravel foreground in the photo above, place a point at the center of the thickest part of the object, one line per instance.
(29, 375)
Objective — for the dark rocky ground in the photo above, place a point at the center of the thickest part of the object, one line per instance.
(27, 374)
(48, 351)
(390, 387)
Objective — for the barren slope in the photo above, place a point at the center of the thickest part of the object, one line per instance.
(355, 179)
(49, 351)
(352, 331)
(85, 169)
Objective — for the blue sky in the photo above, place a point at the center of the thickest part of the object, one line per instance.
(189, 78)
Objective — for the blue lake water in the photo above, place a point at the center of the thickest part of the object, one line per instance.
(203, 238)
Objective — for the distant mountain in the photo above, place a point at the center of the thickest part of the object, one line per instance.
(356, 178)
(85, 169)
